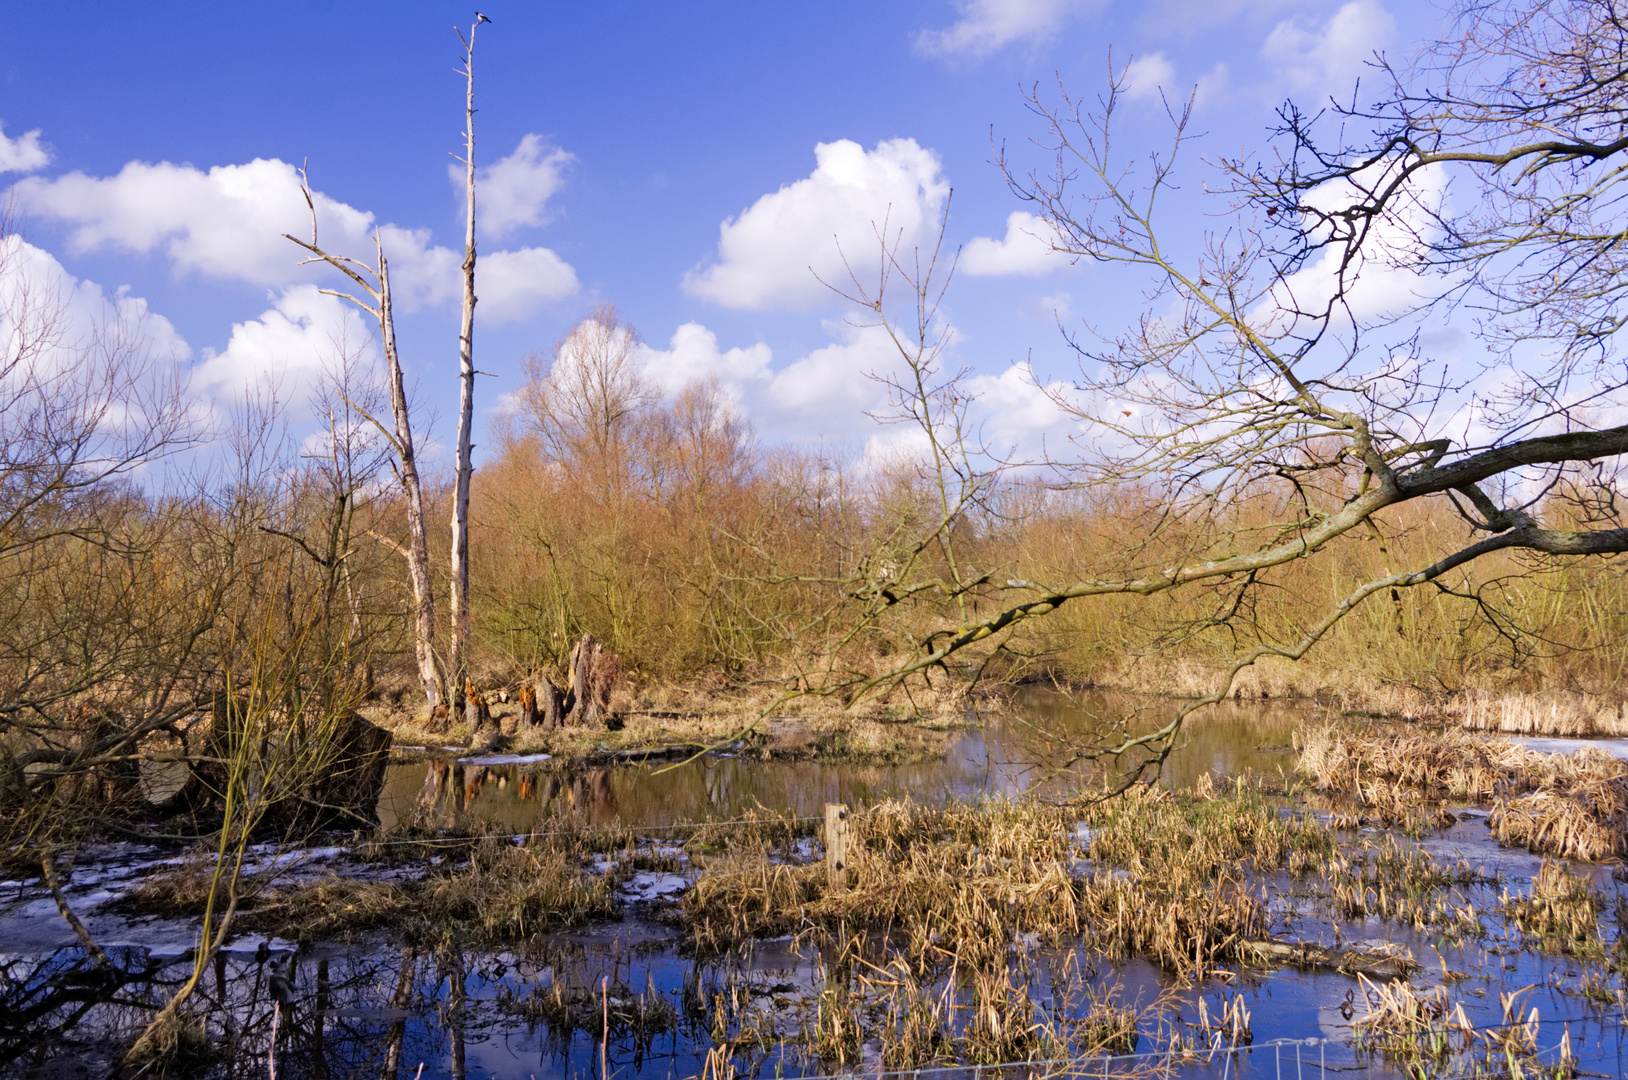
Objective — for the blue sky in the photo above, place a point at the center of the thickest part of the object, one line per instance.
(150, 151)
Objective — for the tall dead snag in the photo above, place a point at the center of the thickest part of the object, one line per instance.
(466, 375)
(374, 282)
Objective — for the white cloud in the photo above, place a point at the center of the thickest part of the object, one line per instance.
(515, 284)
(770, 255)
(1056, 307)
(987, 26)
(1028, 248)
(1381, 283)
(41, 299)
(285, 350)
(1017, 414)
(1329, 58)
(228, 224)
(833, 387)
(513, 192)
(693, 355)
(107, 358)
(24, 153)
(1147, 76)
(1190, 16)
(224, 223)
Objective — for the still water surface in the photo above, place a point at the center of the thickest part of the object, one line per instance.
(1003, 754)
(373, 1008)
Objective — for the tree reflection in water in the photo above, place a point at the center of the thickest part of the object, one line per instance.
(382, 1012)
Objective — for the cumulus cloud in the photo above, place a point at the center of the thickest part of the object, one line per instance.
(769, 256)
(1018, 414)
(1029, 247)
(514, 284)
(829, 391)
(104, 357)
(40, 298)
(224, 223)
(987, 26)
(228, 223)
(285, 350)
(693, 356)
(22, 154)
(513, 192)
(1147, 76)
(1382, 282)
(1329, 58)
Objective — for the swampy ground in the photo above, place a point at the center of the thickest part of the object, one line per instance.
(1301, 893)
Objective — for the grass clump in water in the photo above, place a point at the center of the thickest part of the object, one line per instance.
(1571, 805)
(497, 893)
(1561, 911)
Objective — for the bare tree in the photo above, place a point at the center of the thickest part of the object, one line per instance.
(374, 283)
(1260, 367)
(583, 395)
(466, 374)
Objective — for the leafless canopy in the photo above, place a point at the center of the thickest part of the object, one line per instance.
(1280, 350)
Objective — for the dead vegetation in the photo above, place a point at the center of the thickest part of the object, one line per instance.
(1571, 805)
(916, 728)
(487, 890)
(1562, 911)
(962, 930)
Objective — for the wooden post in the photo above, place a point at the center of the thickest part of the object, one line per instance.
(836, 846)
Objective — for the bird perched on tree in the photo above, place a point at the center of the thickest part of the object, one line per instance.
(479, 18)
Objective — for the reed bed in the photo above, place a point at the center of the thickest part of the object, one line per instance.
(963, 929)
(1588, 821)
(1571, 805)
(489, 891)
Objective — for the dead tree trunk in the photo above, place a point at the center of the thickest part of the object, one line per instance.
(466, 375)
(553, 705)
(417, 551)
(418, 548)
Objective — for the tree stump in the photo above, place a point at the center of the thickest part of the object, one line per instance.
(528, 707)
(594, 671)
(482, 732)
(554, 707)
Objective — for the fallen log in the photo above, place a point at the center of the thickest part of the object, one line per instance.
(1386, 962)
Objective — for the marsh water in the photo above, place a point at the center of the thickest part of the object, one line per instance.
(625, 998)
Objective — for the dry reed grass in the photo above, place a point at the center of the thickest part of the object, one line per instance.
(1561, 911)
(1571, 805)
(492, 891)
(1160, 877)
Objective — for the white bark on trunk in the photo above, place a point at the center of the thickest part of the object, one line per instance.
(418, 549)
(466, 403)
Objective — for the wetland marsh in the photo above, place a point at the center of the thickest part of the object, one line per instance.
(1257, 913)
